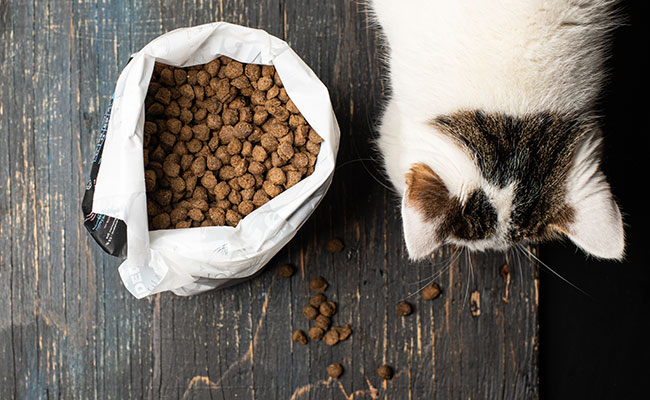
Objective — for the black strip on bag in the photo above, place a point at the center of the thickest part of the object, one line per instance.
(108, 232)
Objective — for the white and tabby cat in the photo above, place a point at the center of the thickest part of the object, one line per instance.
(490, 131)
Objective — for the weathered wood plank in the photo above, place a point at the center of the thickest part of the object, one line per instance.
(70, 329)
(7, 353)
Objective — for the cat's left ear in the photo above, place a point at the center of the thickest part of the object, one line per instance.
(597, 225)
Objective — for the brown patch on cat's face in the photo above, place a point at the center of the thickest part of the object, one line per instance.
(475, 219)
(427, 192)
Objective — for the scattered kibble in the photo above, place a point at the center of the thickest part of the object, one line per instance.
(385, 372)
(322, 322)
(316, 333)
(286, 270)
(335, 370)
(331, 338)
(404, 309)
(343, 331)
(317, 299)
(310, 312)
(300, 337)
(318, 284)
(327, 308)
(431, 291)
(320, 310)
(334, 246)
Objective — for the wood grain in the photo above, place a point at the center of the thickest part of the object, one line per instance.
(68, 329)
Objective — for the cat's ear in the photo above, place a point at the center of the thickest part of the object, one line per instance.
(424, 205)
(596, 225)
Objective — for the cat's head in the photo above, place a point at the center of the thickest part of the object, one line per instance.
(537, 177)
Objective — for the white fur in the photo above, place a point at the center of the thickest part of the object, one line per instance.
(510, 56)
(598, 229)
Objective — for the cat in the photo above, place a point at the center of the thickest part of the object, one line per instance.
(490, 133)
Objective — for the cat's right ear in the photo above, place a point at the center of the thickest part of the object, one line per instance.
(424, 206)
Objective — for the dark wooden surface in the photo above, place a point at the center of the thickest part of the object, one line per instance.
(68, 329)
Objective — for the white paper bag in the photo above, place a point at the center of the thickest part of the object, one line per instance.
(193, 260)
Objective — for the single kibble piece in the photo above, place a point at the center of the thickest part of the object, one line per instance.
(233, 217)
(431, 291)
(334, 246)
(335, 370)
(322, 322)
(286, 271)
(331, 338)
(385, 372)
(161, 221)
(318, 284)
(299, 337)
(316, 333)
(310, 312)
(327, 308)
(317, 299)
(404, 309)
(343, 331)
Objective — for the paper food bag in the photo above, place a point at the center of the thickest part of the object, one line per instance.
(193, 260)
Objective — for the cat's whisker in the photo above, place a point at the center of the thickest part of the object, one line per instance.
(531, 255)
(469, 264)
(387, 187)
(519, 269)
(432, 278)
(352, 161)
(446, 265)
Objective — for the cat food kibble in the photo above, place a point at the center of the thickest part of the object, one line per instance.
(285, 270)
(431, 291)
(322, 322)
(299, 337)
(385, 372)
(343, 331)
(321, 311)
(404, 309)
(335, 370)
(316, 333)
(310, 312)
(317, 299)
(318, 284)
(225, 135)
(327, 308)
(331, 338)
(334, 246)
